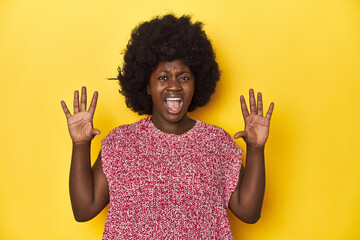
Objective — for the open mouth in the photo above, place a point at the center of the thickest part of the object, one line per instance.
(173, 105)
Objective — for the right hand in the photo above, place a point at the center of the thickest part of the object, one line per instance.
(81, 122)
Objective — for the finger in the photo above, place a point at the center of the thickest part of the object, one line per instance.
(83, 99)
(65, 109)
(76, 101)
(93, 103)
(270, 111)
(244, 108)
(95, 131)
(259, 104)
(252, 101)
(240, 134)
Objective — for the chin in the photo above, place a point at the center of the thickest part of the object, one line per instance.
(174, 118)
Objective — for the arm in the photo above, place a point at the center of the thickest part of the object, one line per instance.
(246, 200)
(88, 186)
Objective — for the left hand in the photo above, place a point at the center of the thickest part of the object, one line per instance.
(257, 126)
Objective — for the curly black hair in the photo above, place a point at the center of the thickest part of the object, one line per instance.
(167, 38)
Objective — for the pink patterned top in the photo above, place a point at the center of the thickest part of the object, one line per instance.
(167, 186)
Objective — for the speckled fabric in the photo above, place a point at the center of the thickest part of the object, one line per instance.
(167, 186)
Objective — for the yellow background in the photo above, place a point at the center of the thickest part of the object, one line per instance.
(303, 55)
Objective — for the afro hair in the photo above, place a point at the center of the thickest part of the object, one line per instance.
(163, 39)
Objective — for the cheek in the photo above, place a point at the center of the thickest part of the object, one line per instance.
(190, 90)
(155, 93)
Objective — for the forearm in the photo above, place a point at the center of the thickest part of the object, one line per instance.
(246, 201)
(252, 186)
(81, 183)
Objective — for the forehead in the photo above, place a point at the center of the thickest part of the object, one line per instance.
(173, 66)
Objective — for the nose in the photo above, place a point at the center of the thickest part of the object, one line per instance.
(174, 84)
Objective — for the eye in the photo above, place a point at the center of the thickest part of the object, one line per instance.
(163, 77)
(184, 78)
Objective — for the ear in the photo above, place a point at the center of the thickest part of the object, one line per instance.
(148, 89)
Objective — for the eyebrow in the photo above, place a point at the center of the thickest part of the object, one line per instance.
(181, 72)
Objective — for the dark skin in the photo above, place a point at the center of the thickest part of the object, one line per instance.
(246, 200)
(88, 185)
(171, 80)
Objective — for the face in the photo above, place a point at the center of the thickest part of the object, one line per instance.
(171, 87)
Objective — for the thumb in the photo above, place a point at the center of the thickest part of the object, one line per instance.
(240, 134)
(95, 131)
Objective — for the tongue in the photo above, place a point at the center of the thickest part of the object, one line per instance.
(173, 105)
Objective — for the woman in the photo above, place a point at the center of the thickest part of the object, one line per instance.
(167, 175)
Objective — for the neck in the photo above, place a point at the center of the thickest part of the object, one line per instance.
(178, 127)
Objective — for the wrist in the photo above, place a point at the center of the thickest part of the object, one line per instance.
(81, 144)
(253, 147)
(255, 154)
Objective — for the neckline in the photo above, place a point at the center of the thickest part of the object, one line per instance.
(159, 132)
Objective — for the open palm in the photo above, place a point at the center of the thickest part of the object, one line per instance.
(257, 126)
(80, 124)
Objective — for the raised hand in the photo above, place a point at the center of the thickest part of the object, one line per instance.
(257, 126)
(80, 124)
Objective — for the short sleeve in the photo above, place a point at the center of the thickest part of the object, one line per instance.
(109, 151)
(232, 166)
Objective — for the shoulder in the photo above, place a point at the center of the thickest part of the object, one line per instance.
(212, 131)
(216, 137)
(126, 130)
